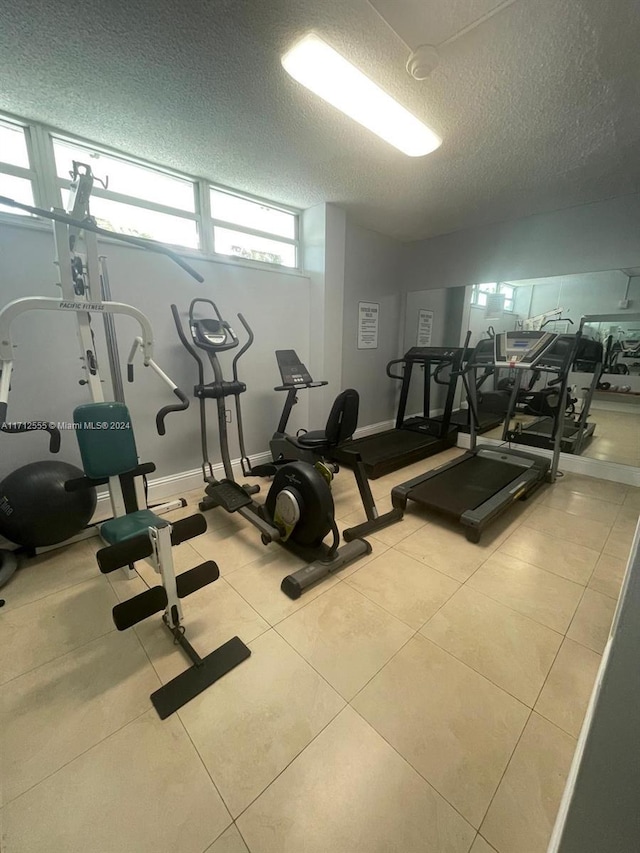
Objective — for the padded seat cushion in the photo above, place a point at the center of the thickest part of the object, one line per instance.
(313, 439)
(126, 526)
(106, 441)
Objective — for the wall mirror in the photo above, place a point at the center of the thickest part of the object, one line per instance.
(603, 405)
(604, 384)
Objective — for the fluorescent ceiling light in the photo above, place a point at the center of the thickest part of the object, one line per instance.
(316, 65)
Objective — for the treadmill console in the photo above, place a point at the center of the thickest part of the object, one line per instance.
(521, 349)
(292, 370)
(424, 354)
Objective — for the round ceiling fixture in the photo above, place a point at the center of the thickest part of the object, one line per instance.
(422, 61)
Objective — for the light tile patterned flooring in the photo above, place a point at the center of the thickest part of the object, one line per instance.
(426, 699)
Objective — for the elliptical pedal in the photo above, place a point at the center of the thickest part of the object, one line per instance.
(227, 494)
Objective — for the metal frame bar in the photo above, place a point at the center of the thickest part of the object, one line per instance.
(134, 201)
(586, 407)
(283, 208)
(163, 564)
(78, 306)
(256, 232)
(17, 171)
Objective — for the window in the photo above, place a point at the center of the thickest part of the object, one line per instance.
(16, 176)
(132, 197)
(480, 291)
(254, 230)
(137, 200)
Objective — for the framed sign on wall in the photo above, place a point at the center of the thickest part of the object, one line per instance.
(368, 319)
(425, 328)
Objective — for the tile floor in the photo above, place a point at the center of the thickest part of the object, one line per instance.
(426, 699)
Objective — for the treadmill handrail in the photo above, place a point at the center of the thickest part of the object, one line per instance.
(391, 375)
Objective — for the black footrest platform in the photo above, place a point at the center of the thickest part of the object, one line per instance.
(139, 607)
(227, 494)
(194, 579)
(266, 470)
(187, 528)
(197, 678)
(124, 553)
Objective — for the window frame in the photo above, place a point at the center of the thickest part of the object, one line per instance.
(47, 189)
(499, 287)
(255, 232)
(30, 174)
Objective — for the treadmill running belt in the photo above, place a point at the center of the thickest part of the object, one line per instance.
(546, 428)
(383, 445)
(465, 486)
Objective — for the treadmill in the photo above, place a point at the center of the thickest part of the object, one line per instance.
(416, 437)
(476, 488)
(576, 430)
(486, 418)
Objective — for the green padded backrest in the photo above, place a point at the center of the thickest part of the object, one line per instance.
(105, 438)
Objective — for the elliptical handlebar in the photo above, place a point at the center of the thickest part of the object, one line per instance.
(231, 340)
(238, 356)
(185, 341)
(195, 301)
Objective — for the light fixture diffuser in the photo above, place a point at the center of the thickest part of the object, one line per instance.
(312, 62)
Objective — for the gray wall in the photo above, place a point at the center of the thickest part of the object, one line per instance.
(448, 308)
(594, 294)
(600, 236)
(373, 273)
(45, 383)
(316, 314)
(324, 237)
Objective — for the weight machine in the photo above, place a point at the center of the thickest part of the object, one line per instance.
(107, 444)
(85, 291)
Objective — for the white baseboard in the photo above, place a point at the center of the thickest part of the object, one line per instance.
(598, 468)
(166, 487)
(188, 481)
(370, 429)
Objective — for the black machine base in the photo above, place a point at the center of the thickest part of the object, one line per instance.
(476, 488)
(204, 672)
(385, 452)
(539, 433)
(486, 420)
(295, 584)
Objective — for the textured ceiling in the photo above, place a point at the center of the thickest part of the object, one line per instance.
(417, 22)
(538, 107)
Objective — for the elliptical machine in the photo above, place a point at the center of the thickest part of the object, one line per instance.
(298, 512)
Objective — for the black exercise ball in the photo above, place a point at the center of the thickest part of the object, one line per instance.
(35, 509)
